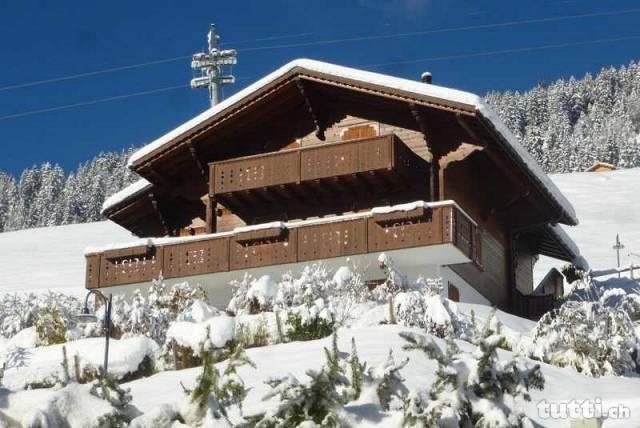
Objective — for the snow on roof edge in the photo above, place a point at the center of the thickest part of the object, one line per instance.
(131, 190)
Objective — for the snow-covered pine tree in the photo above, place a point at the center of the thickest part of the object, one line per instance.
(214, 392)
(108, 389)
(471, 389)
(320, 401)
(388, 382)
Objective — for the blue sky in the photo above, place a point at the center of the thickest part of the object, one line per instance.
(46, 39)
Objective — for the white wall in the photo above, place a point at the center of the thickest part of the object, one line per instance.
(415, 262)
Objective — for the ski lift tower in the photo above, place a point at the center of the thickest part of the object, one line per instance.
(212, 65)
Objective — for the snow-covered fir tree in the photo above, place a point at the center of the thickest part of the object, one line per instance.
(45, 196)
(569, 124)
(471, 389)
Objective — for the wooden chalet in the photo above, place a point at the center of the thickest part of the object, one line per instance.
(599, 166)
(322, 162)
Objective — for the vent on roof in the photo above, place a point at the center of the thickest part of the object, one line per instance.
(426, 77)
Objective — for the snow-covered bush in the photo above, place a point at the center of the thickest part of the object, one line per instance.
(108, 389)
(151, 315)
(183, 345)
(471, 389)
(320, 401)
(591, 332)
(51, 326)
(254, 334)
(425, 307)
(41, 367)
(20, 311)
(78, 405)
(310, 321)
(314, 281)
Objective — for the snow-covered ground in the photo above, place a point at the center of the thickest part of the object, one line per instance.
(562, 385)
(52, 257)
(606, 203)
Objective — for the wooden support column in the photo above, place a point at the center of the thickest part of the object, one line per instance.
(434, 168)
(212, 215)
(161, 218)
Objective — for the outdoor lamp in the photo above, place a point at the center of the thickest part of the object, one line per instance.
(86, 316)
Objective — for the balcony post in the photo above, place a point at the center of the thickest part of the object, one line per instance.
(212, 217)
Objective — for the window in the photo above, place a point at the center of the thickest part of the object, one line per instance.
(360, 131)
(454, 293)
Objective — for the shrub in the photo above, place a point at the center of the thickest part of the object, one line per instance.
(51, 326)
(151, 315)
(20, 311)
(307, 328)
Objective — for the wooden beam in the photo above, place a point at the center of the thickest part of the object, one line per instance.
(160, 180)
(156, 208)
(474, 136)
(463, 151)
(197, 161)
(320, 124)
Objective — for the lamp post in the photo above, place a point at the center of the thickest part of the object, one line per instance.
(86, 315)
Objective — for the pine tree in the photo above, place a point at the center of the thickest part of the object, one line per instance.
(320, 401)
(470, 389)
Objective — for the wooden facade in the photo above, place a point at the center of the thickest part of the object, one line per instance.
(313, 149)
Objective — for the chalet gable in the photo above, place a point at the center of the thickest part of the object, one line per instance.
(307, 96)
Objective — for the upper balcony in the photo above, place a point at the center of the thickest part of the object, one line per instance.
(311, 181)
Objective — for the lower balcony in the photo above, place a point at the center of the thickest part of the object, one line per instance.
(438, 233)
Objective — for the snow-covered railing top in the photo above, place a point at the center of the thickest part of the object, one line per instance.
(151, 242)
(381, 80)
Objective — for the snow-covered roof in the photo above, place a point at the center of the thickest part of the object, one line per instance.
(559, 233)
(128, 192)
(393, 83)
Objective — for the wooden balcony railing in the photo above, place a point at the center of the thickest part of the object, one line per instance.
(279, 243)
(311, 163)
